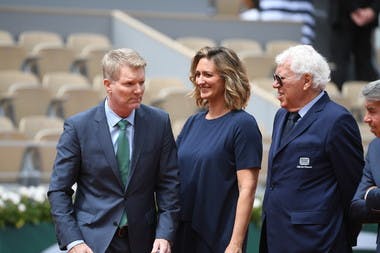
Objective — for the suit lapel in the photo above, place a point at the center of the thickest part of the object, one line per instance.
(278, 130)
(138, 140)
(105, 141)
(303, 124)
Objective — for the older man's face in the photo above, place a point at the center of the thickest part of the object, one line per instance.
(290, 88)
(372, 116)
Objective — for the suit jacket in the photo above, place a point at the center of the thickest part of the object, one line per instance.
(368, 211)
(85, 156)
(339, 11)
(312, 177)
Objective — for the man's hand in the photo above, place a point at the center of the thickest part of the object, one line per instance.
(363, 16)
(81, 248)
(161, 246)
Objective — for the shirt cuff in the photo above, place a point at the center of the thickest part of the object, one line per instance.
(368, 190)
(74, 243)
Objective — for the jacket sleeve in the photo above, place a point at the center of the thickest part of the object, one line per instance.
(60, 191)
(364, 210)
(345, 139)
(373, 200)
(167, 191)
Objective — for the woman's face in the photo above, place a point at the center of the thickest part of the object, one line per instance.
(209, 82)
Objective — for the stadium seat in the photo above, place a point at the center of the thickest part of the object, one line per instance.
(55, 80)
(78, 41)
(30, 39)
(46, 141)
(74, 99)
(27, 100)
(196, 43)
(6, 38)
(31, 125)
(12, 57)
(49, 58)
(13, 146)
(241, 45)
(154, 85)
(258, 65)
(274, 47)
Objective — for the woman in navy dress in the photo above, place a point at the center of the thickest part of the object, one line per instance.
(219, 152)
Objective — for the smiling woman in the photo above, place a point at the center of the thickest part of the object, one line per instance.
(218, 178)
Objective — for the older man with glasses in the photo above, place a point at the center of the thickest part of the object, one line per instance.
(315, 162)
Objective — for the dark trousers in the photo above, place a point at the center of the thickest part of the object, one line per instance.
(120, 242)
(352, 44)
(341, 243)
(189, 241)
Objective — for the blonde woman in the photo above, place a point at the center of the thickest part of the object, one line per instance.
(219, 152)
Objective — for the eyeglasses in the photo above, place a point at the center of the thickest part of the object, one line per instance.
(277, 78)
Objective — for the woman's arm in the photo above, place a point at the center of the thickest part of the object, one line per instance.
(247, 182)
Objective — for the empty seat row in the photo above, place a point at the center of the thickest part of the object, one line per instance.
(47, 58)
(76, 41)
(38, 52)
(258, 61)
(28, 99)
(53, 81)
(29, 150)
(239, 45)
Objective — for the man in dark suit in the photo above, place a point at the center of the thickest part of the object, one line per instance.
(314, 166)
(365, 206)
(353, 23)
(133, 210)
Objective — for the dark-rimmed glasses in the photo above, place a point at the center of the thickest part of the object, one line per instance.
(277, 78)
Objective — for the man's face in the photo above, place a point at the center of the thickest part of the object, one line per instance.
(289, 87)
(372, 116)
(125, 94)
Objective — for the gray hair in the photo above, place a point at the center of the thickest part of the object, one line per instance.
(117, 58)
(372, 91)
(304, 59)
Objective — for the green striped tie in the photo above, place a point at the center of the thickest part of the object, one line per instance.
(122, 156)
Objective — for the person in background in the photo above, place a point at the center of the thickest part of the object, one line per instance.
(291, 10)
(365, 206)
(125, 171)
(249, 10)
(219, 154)
(250, 4)
(353, 23)
(315, 162)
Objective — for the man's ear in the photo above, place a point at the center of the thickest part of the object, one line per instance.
(107, 85)
(308, 81)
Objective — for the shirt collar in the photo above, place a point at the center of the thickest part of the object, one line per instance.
(113, 118)
(307, 107)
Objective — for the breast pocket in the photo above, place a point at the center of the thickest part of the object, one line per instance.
(308, 157)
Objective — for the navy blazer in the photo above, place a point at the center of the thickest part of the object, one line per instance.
(368, 211)
(85, 156)
(312, 177)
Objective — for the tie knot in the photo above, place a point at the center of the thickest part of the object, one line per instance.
(293, 116)
(122, 124)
